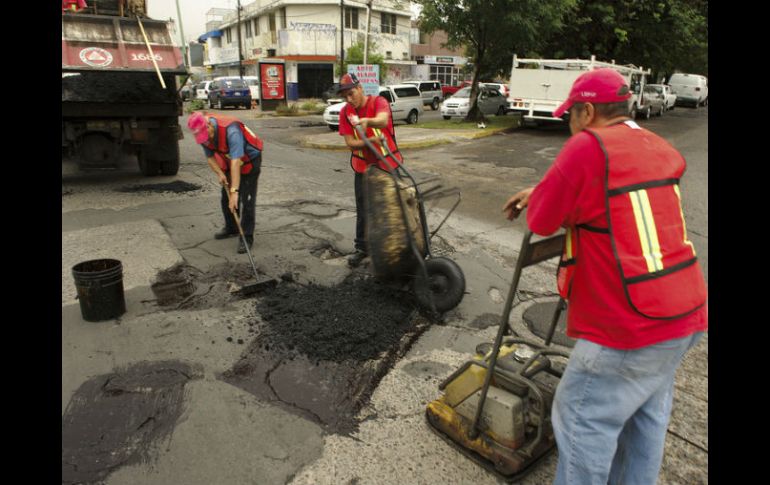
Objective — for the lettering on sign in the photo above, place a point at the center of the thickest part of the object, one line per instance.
(96, 57)
(146, 57)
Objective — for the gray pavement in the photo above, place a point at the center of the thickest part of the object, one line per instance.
(228, 436)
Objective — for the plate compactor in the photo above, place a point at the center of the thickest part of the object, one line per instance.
(496, 408)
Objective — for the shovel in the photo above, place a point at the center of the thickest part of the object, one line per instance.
(261, 284)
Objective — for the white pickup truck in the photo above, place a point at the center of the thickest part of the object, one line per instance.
(539, 86)
(405, 104)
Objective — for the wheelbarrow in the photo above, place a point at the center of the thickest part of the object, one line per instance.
(397, 234)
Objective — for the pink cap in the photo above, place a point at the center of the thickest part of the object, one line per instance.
(197, 124)
(604, 85)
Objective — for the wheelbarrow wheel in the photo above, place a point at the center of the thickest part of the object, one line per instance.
(445, 284)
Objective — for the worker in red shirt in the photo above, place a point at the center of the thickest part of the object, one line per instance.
(374, 116)
(637, 297)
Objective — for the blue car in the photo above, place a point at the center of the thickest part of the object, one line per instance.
(229, 92)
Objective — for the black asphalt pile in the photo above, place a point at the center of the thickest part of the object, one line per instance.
(176, 187)
(356, 320)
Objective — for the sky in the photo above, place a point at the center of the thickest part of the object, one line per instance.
(193, 13)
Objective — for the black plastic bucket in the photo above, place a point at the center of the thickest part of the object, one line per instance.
(100, 289)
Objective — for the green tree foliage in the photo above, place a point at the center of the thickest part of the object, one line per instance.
(492, 30)
(355, 55)
(664, 35)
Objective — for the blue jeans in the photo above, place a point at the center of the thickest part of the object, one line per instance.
(611, 412)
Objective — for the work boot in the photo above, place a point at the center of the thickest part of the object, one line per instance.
(225, 233)
(241, 247)
(355, 259)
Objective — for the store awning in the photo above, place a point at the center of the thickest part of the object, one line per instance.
(213, 33)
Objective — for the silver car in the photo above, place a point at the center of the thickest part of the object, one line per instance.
(490, 102)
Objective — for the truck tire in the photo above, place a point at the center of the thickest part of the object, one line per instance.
(434, 104)
(149, 168)
(412, 118)
(171, 166)
(445, 285)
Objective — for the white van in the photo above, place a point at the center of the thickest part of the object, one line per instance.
(430, 91)
(405, 104)
(690, 89)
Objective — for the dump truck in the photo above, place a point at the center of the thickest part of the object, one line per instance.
(119, 89)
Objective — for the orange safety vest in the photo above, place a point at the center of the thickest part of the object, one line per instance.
(645, 222)
(221, 150)
(358, 160)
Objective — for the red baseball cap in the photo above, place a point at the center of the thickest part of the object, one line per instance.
(604, 85)
(197, 124)
(347, 81)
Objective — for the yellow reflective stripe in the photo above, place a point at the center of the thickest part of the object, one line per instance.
(249, 131)
(568, 243)
(648, 233)
(360, 152)
(684, 225)
(378, 132)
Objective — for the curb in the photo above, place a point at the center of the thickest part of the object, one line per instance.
(401, 145)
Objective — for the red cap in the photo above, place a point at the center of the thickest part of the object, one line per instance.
(604, 85)
(197, 124)
(347, 81)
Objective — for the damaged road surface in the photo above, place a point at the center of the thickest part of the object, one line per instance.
(114, 419)
(321, 351)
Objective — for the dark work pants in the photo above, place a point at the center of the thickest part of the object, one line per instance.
(247, 201)
(358, 185)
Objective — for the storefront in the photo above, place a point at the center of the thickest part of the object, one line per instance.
(446, 69)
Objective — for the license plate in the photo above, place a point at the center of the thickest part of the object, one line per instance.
(451, 111)
(237, 93)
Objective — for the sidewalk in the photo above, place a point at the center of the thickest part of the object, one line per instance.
(407, 137)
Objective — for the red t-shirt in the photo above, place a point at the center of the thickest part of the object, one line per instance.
(572, 192)
(380, 105)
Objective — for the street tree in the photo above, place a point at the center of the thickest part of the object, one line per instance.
(664, 35)
(491, 30)
(355, 55)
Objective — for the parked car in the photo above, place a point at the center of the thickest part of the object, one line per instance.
(202, 90)
(653, 100)
(431, 92)
(405, 104)
(448, 91)
(502, 87)
(490, 102)
(669, 98)
(229, 92)
(185, 92)
(690, 89)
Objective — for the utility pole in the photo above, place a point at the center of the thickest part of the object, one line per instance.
(368, 26)
(181, 32)
(240, 51)
(342, 37)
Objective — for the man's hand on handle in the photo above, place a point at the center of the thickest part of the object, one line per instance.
(517, 203)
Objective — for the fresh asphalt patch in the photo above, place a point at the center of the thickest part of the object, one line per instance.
(176, 187)
(321, 351)
(113, 420)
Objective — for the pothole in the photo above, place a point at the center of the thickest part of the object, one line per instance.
(321, 351)
(177, 187)
(485, 320)
(325, 251)
(495, 295)
(315, 209)
(115, 419)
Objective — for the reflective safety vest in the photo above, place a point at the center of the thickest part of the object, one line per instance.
(645, 224)
(358, 159)
(222, 151)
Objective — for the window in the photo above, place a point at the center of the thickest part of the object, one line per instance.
(228, 35)
(387, 23)
(351, 18)
(406, 92)
(271, 21)
(449, 75)
(248, 29)
(388, 55)
(256, 26)
(283, 17)
(405, 56)
(386, 95)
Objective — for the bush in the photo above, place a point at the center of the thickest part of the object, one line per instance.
(290, 110)
(195, 105)
(313, 107)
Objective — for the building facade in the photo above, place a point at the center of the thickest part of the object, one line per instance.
(309, 35)
(434, 62)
